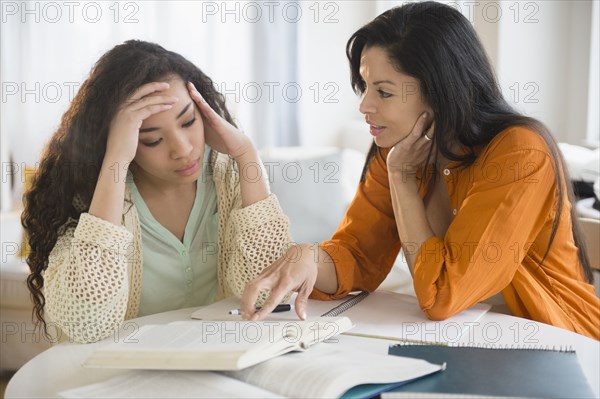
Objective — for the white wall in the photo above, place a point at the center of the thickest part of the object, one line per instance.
(578, 61)
(593, 122)
(543, 62)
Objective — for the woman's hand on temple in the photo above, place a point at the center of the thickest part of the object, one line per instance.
(225, 138)
(220, 134)
(124, 130)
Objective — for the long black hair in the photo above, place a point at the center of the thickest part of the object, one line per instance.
(70, 165)
(437, 45)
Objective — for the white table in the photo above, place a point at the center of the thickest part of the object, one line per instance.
(59, 368)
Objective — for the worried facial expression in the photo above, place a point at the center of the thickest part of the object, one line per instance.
(171, 142)
(392, 101)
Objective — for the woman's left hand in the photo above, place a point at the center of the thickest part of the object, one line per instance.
(409, 155)
(219, 134)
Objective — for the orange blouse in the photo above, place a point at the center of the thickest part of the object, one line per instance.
(504, 205)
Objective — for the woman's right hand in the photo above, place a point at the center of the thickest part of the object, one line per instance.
(123, 134)
(295, 271)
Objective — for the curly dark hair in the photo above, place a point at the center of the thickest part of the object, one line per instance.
(437, 45)
(71, 161)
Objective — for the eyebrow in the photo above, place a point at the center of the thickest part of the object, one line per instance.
(379, 81)
(384, 81)
(151, 129)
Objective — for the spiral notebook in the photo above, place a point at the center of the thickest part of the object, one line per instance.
(347, 304)
(505, 372)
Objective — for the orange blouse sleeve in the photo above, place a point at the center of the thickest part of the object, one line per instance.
(510, 198)
(366, 242)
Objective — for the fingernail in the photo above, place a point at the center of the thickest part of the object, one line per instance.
(424, 115)
(303, 315)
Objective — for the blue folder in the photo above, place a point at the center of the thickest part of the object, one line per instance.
(538, 373)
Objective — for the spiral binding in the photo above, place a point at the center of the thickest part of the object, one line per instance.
(341, 308)
(550, 348)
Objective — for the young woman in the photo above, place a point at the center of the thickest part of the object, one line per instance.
(147, 199)
(475, 193)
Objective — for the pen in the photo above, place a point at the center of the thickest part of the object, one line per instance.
(282, 307)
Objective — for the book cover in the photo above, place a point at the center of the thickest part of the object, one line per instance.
(508, 372)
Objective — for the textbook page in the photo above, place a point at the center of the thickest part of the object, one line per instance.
(169, 384)
(213, 345)
(330, 369)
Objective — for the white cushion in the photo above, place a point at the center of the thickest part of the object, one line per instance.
(314, 187)
(583, 164)
(355, 135)
(13, 287)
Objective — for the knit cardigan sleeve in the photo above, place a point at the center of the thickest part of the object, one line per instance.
(86, 284)
(250, 238)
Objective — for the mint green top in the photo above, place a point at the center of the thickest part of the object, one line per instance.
(180, 274)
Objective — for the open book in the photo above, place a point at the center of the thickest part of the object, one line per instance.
(326, 370)
(214, 345)
(379, 314)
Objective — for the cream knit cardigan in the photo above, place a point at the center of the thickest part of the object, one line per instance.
(94, 276)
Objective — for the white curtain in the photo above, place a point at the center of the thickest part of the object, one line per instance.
(48, 48)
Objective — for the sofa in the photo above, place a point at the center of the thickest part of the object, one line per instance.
(21, 341)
